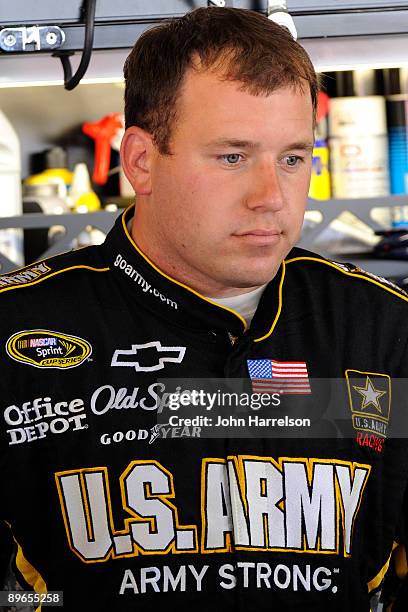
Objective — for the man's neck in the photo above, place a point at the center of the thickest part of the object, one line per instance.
(212, 290)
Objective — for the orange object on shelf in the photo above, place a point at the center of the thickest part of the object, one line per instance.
(102, 132)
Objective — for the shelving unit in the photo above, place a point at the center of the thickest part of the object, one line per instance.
(74, 225)
(329, 210)
(362, 209)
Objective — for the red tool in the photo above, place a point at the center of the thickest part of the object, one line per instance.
(102, 132)
(322, 106)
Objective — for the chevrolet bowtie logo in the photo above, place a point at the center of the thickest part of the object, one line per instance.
(157, 353)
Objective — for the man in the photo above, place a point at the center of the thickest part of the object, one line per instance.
(117, 501)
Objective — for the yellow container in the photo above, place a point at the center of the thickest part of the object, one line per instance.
(320, 188)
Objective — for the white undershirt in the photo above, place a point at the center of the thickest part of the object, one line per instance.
(245, 303)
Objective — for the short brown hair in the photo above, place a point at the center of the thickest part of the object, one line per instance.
(245, 45)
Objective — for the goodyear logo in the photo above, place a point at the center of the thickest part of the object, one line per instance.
(42, 348)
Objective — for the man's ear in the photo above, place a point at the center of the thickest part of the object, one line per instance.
(136, 154)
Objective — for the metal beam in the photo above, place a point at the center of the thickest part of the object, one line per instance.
(119, 24)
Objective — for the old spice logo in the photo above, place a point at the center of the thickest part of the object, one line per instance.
(42, 348)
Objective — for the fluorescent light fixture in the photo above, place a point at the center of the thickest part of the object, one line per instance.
(352, 66)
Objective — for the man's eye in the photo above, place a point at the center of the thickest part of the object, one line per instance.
(231, 158)
(293, 160)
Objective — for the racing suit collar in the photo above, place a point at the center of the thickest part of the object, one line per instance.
(166, 296)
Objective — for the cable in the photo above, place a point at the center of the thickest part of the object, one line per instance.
(70, 82)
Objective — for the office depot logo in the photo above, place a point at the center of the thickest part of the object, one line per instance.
(42, 348)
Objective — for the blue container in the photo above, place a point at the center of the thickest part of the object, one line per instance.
(397, 119)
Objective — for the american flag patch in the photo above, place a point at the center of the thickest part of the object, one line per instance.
(270, 376)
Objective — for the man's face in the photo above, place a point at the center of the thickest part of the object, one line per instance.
(227, 206)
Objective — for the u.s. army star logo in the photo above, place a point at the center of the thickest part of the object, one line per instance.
(371, 395)
(370, 403)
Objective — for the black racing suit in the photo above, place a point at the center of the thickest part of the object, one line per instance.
(125, 507)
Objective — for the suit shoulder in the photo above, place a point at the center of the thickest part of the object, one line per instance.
(40, 273)
(308, 261)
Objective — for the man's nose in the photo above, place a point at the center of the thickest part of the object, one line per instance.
(266, 191)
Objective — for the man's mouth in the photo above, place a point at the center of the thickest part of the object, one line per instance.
(260, 237)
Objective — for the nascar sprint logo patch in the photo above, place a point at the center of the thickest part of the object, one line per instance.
(42, 348)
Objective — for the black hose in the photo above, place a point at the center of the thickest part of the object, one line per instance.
(70, 82)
